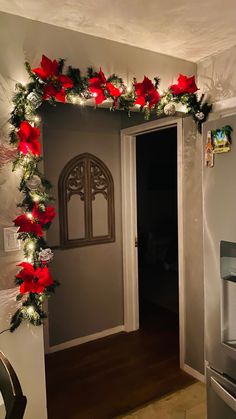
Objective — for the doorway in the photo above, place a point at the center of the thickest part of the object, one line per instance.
(157, 228)
(129, 138)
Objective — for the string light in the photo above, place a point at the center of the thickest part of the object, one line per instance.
(30, 310)
(26, 159)
(36, 119)
(73, 99)
(36, 198)
(31, 245)
(29, 215)
(94, 94)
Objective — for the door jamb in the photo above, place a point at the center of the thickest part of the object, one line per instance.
(129, 223)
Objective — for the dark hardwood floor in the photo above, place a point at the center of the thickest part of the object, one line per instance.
(111, 376)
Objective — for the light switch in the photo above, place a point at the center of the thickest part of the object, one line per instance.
(11, 242)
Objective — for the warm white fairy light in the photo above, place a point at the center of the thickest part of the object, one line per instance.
(73, 99)
(36, 198)
(26, 159)
(28, 259)
(30, 310)
(29, 215)
(31, 245)
(94, 94)
(36, 119)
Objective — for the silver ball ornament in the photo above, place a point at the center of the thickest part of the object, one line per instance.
(199, 115)
(169, 109)
(33, 183)
(46, 255)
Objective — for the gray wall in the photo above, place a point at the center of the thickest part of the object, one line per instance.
(216, 75)
(22, 39)
(193, 246)
(90, 298)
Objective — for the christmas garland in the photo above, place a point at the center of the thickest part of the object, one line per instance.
(48, 83)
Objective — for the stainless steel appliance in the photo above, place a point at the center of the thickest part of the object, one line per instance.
(219, 215)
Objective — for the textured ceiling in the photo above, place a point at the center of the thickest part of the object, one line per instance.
(188, 29)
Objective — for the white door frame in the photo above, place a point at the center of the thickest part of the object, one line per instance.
(129, 223)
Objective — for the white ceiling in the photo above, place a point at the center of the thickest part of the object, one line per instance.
(189, 29)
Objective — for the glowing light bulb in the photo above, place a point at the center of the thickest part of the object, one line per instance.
(30, 310)
(73, 99)
(94, 94)
(36, 198)
(36, 119)
(31, 246)
(29, 215)
(129, 88)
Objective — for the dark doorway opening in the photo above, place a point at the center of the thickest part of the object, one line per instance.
(156, 158)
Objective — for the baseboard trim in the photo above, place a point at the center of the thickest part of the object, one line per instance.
(194, 373)
(85, 339)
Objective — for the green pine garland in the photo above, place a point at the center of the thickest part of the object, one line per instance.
(27, 99)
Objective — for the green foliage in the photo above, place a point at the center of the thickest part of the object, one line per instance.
(29, 98)
(226, 130)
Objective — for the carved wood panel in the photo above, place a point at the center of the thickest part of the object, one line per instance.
(87, 177)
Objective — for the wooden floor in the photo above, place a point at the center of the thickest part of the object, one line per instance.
(111, 376)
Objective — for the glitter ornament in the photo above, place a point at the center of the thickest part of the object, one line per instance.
(34, 99)
(200, 116)
(33, 183)
(169, 109)
(45, 255)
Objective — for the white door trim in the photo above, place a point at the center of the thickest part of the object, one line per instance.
(129, 223)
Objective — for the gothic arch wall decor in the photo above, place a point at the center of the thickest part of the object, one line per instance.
(48, 83)
(86, 176)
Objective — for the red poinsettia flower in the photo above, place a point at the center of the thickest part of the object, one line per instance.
(98, 85)
(34, 280)
(56, 83)
(185, 85)
(28, 224)
(43, 217)
(146, 92)
(29, 139)
(35, 221)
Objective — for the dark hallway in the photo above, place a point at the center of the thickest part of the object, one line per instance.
(156, 155)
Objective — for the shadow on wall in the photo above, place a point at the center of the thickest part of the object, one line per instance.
(215, 75)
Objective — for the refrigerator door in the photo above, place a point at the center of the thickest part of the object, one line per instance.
(221, 396)
(219, 220)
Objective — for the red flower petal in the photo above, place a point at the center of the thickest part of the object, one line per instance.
(28, 138)
(140, 101)
(43, 217)
(49, 91)
(114, 91)
(61, 96)
(65, 81)
(185, 85)
(175, 89)
(49, 67)
(28, 226)
(44, 277)
(102, 76)
(147, 84)
(55, 68)
(24, 131)
(154, 98)
(40, 72)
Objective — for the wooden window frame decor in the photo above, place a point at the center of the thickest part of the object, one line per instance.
(87, 176)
